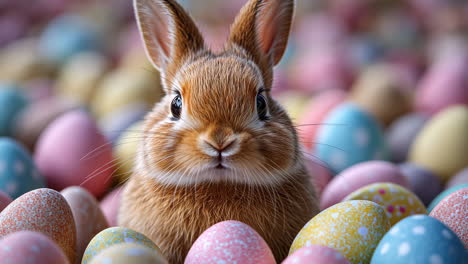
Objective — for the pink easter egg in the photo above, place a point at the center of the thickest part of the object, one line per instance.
(5, 200)
(315, 254)
(319, 173)
(358, 176)
(230, 242)
(72, 151)
(26, 247)
(110, 206)
(458, 179)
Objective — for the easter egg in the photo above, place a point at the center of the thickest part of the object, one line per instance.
(24, 247)
(85, 155)
(419, 239)
(444, 194)
(88, 216)
(126, 151)
(453, 212)
(398, 202)
(443, 155)
(421, 181)
(359, 176)
(110, 205)
(129, 253)
(18, 174)
(294, 103)
(42, 210)
(5, 200)
(351, 136)
(353, 228)
(230, 242)
(458, 179)
(12, 102)
(315, 254)
(112, 236)
(117, 123)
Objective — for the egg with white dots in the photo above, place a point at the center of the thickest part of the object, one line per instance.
(420, 239)
(129, 253)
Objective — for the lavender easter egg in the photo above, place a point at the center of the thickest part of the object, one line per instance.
(421, 181)
(315, 254)
(13, 102)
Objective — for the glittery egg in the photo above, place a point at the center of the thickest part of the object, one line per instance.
(444, 194)
(315, 254)
(5, 200)
(419, 239)
(42, 210)
(421, 181)
(230, 242)
(353, 228)
(398, 202)
(110, 205)
(126, 253)
(12, 102)
(112, 236)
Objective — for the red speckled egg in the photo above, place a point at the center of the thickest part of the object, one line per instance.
(4, 200)
(316, 254)
(110, 206)
(72, 151)
(42, 210)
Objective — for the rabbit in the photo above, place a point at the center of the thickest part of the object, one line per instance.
(217, 146)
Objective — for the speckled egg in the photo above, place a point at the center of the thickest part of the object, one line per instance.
(27, 247)
(84, 153)
(110, 205)
(398, 202)
(354, 228)
(444, 194)
(18, 174)
(126, 253)
(419, 239)
(12, 102)
(359, 176)
(458, 179)
(112, 236)
(453, 212)
(42, 210)
(315, 254)
(230, 242)
(88, 216)
(5, 200)
(421, 181)
(125, 151)
(443, 155)
(351, 136)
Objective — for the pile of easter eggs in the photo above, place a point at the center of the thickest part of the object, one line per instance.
(378, 93)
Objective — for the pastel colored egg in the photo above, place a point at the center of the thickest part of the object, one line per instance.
(24, 247)
(444, 194)
(129, 253)
(359, 176)
(230, 242)
(18, 174)
(398, 202)
(110, 205)
(351, 136)
(453, 212)
(88, 216)
(39, 88)
(419, 239)
(125, 151)
(12, 102)
(42, 210)
(112, 236)
(421, 181)
(294, 103)
(319, 173)
(315, 254)
(443, 155)
(5, 200)
(401, 134)
(458, 179)
(353, 228)
(84, 153)
(118, 122)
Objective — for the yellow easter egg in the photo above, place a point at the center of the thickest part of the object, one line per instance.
(294, 103)
(129, 253)
(441, 146)
(354, 228)
(398, 201)
(125, 151)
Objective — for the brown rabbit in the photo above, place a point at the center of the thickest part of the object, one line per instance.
(217, 147)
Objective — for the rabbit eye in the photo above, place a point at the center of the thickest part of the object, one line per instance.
(176, 106)
(261, 107)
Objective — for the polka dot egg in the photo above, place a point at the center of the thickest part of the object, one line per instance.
(397, 201)
(353, 228)
(419, 239)
(129, 253)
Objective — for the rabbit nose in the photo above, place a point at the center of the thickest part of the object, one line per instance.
(225, 149)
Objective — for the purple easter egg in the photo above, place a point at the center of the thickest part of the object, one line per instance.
(423, 182)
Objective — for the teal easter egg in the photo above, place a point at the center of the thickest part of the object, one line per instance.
(12, 101)
(444, 194)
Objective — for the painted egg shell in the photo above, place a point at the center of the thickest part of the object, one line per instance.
(112, 236)
(443, 155)
(453, 212)
(110, 205)
(126, 253)
(421, 181)
(229, 242)
(319, 173)
(351, 136)
(18, 174)
(315, 254)
(88, 216)
(458, 179)
(354, 228)
(39, 88)
(401, 134)
(359, 176)
(294, 103)
(26, 247)
(398, 202)
(85, 155)
(12, 102)
(117, 123)
(419, 239)
(5, 200)
(125, 151)
(315, 112)
(444, 194)
(42, 210)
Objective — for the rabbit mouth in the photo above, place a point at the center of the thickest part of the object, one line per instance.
(220, 166)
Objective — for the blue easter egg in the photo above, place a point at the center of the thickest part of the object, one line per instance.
(349, 136)
(420, 239)
(12, 101)
(18, 174)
